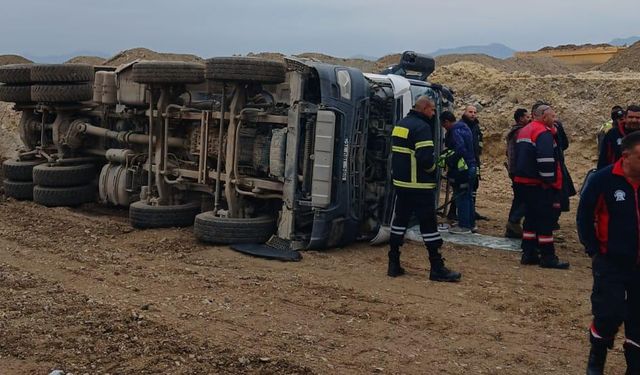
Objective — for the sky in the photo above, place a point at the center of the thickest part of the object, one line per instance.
(337, 27)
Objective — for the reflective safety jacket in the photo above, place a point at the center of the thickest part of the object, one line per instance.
(538, 157)
(413, 164)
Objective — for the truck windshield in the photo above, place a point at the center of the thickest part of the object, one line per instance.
(418, 91)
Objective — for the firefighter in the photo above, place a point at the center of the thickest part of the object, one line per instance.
(414, 180)
(538, 179)
(610, 150)
(608, 222)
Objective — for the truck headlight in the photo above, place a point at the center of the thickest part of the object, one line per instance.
(344, 82)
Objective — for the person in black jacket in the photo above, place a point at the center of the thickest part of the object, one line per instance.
(608, 222)
(470, 117)
(610, 147)
(413, 169)
(513, 228)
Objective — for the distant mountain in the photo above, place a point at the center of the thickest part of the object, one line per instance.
(58, 59)
(494, 49)
(625, 41)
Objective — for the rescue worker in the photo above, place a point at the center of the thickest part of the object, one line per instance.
(538, 178)
(610, 150)
(608, 222)
(617, 113)
(470, 117)
(462, 171)
(414, 179)
(516, 213)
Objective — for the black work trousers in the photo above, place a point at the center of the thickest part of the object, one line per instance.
(420, 203)
(539, 219)
(615, 299)
(516, 213)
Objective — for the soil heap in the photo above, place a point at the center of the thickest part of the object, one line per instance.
(129, 55)
(90, 60)
(629, 59)
(13, 59)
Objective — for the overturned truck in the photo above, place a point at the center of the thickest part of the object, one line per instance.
(246, 150)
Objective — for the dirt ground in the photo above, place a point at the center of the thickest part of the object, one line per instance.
(82, 291)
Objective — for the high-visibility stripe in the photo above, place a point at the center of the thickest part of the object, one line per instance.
(424, 144)
(434, 234)
(402, 150)
(545, 239)
(528, 235)
(628, 341)
(414, 169)
(414, 185)
(544, 174)
(527, 140)
(545, 160)
(397, 233)
(462, 165)
(400, 132)
(433, 168)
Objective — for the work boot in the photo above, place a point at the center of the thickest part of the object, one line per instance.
(552, 261)
(632, 355)
(530, 257)
(597, 358)
(394, 269)
(441, 273)
(513, 230)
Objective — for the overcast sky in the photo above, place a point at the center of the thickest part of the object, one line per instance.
(337, 27)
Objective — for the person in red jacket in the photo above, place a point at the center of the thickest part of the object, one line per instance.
(608, 220)
(538, 179)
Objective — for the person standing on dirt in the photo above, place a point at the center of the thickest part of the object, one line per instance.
(414, 179)
(470, 118)
(611, 149)
(608, 222)
(460, 139)
(617, 113)
(516, 213)
(538, 178)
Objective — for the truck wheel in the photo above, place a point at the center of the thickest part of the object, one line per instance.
(244, 69)
(15, 94)
(79, 92)
(19, 170)
(20, 190)
(221, 230)
(61, 73)
(15, 74)
(63, 175)
(143, 215)
(168, 72)
(64, 196)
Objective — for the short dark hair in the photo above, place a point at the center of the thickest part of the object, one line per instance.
(615, 108)
(447, 116)
(520, 112)
(633, 108)
(630, 141)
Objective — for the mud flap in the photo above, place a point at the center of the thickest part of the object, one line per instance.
(275, 248)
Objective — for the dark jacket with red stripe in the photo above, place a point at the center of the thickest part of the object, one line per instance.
(609, 216)
(610, 150)
(538, 157)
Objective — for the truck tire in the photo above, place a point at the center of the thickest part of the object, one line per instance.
(64, 196)
(145, 216)
(63, 175)
(61, 73)
(15, 94)
(79, 92)
(15, 74)
(221, 230)
(168, 72)
(19, 170)
(244, 69)
(21, 190)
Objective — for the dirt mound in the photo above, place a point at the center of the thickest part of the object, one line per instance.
(129, 55)
(388, 60)
(90, 60)
(9, 139)
(629, 59)
(273, 56)
(575, 47)
(534, 65)
(13, 59)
